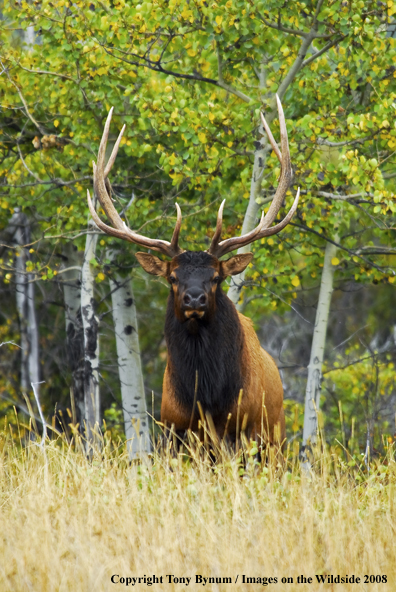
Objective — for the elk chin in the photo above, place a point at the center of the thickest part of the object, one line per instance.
(194, 314)
(193, 321)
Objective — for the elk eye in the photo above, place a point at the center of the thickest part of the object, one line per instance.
(216, 279)
(172, 279)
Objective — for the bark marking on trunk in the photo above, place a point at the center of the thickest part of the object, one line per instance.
(25, 300)
(91, 342)
(130, 367)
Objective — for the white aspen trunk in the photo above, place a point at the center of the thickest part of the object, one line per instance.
(25, 301)
(71, 283)
(250, 220)
(91, 341)
(21, 302)
(34, 359)
(130, 367)
(312, 394)
(30, 37)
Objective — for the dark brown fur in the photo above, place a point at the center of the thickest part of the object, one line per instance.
(214, 352)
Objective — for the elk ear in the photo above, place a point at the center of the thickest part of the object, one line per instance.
(235, 264)
(153, 264)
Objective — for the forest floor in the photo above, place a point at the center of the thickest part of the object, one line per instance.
(73, 524)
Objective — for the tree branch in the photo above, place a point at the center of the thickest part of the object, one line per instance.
(234, 91)
(157, 67)
(55, 181)
(351, 363)
(322, 51)
(323, 142)
(339, 245)
(64, 76)
(297, 65)
(388, 175)
(27, 168)
(280, 27)
(336, 195)
(32, 119)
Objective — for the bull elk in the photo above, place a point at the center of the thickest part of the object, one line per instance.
(215, 361)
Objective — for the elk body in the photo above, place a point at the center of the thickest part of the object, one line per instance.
(215, 361)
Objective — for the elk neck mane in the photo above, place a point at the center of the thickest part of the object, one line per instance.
(213, 350)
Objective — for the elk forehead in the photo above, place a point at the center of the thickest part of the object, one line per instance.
(190, 265)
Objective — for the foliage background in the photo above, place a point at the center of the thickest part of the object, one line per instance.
(189, 80)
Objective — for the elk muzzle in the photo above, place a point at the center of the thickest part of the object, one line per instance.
(194, 303)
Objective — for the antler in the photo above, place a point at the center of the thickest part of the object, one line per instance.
(102, 190)
(263, 229)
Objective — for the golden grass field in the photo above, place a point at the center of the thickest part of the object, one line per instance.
(70, 524)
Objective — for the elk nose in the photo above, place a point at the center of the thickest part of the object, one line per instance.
(195, 299)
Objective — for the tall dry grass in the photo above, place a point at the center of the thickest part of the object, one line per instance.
(70, 524)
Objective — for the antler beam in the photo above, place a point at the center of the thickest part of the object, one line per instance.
(264, 227)
(102, 190)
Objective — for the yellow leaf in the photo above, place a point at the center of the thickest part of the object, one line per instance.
(56, 123)
(202, 137)
(392, 279)
(270, 241)
(211, 116)
(101, 276)
(295, 281)
(335, 261)
(219, 20)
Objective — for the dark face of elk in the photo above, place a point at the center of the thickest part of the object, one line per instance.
(194, 278)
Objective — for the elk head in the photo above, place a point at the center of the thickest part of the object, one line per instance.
(194, 276)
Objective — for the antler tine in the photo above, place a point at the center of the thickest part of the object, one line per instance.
(103, 141)
(104, 198)
(286, 170)
(102, 188)
(271, 138)
(278, 227)
(217, 234)
(263, 229)
(104, 227)
(230, 244)
(176, 232)
(113, 155)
